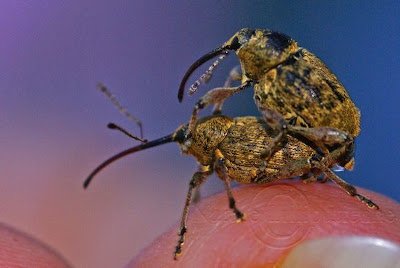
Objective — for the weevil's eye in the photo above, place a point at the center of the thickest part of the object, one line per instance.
(180, 134)
(234, 44)
(241, 38)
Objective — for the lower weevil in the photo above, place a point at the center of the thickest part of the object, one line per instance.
(232, 148)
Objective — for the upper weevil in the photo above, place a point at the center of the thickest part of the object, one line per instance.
(291, 86)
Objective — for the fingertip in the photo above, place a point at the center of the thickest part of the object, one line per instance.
(278, 217)
(18, 249)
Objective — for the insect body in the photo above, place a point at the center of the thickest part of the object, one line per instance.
(232, 148)
(291, 86)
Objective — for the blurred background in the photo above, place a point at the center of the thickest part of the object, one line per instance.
(53, 119)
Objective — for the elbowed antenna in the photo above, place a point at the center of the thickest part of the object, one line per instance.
(140, 147)
(121, 108)
(195, 65)
(206, 76)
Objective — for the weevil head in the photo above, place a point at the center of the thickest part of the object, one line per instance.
(259, 50)
(181, 138)
(204, 140)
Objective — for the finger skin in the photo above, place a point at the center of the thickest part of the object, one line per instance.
(278, 217)
(20, 250)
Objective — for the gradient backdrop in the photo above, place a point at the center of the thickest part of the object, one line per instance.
(52, 118)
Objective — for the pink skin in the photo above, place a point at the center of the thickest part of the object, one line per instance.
(20, 250)
(278, 217)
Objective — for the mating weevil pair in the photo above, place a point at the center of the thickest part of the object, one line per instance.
(308, 126)
(291, 86)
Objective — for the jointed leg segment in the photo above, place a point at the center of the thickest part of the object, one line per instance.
(234, 75)
(215, 96)
(220, 168)
(350, 189)
(197, 179)
(276, 121)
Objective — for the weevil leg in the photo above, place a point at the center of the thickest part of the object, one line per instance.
(234, 76)
(220, 168)
(324, 178)
(322, 136)
(214, 96)
(311, 177)
(276, 121)
(196, 196)
(315, 177)
(350, 189)
(197, 179)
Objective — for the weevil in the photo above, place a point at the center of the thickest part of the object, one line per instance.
(292, 86)
(232, 148)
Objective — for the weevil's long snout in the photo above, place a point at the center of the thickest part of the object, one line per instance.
(140, 147)
(234, 43)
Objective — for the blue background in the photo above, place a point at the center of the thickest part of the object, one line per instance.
(52, 118)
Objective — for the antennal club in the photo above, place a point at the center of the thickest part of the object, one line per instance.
(116, 127)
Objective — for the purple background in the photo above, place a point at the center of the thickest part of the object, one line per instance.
(52, 118)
